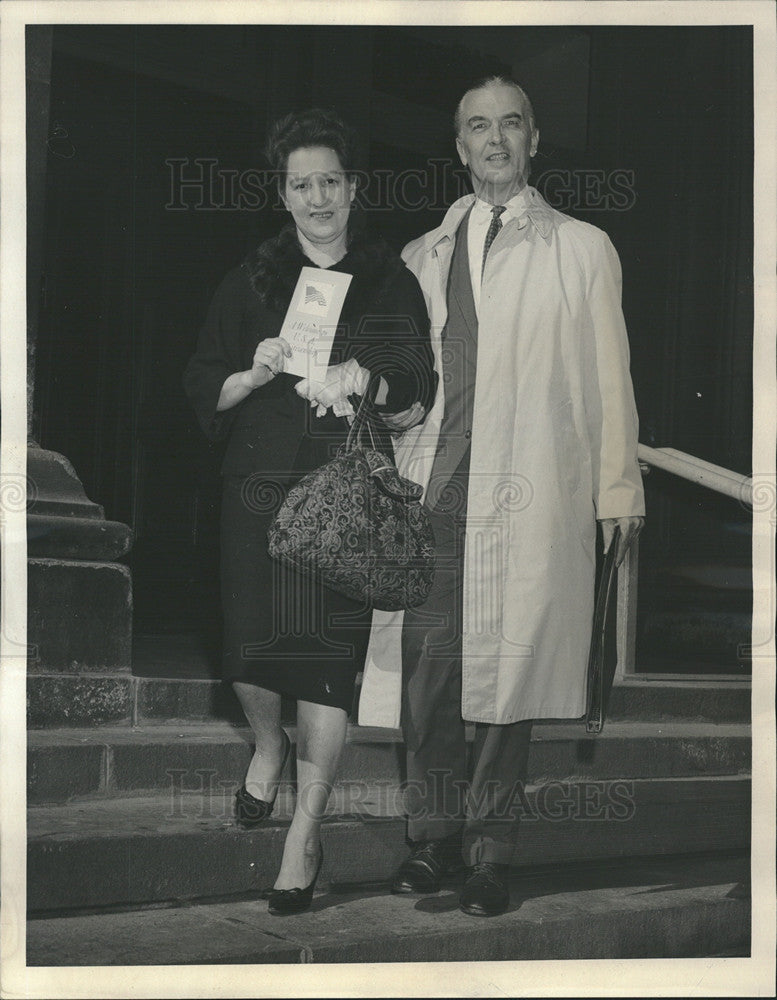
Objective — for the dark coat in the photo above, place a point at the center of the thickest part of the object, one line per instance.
(384, 325)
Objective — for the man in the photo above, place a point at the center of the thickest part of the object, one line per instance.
(532, 438)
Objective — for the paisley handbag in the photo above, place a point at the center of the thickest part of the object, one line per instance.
(358, 526)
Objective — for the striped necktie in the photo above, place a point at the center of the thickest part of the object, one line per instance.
(494, 227)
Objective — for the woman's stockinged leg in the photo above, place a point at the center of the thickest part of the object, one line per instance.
(320, 740)
(263, 711)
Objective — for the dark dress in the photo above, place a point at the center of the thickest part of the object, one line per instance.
(282, 630)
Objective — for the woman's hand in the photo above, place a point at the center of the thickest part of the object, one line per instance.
(340, 382)
(398, 423)
(268, 361)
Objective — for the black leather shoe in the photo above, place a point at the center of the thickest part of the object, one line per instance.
(424, 869)
(485, 893)
(283, 902)
(250, 811)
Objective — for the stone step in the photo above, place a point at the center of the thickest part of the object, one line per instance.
(665, 908)
(55, 700)
(185, 845)
(68, 763)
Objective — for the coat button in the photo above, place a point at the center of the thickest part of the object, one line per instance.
(468, 434)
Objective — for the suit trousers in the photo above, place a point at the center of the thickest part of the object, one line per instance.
(444, 795)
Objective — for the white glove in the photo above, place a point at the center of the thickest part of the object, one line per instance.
(340, 382)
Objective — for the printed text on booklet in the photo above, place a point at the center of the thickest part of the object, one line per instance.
(311, 321)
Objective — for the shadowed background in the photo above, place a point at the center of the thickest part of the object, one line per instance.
(645, 132)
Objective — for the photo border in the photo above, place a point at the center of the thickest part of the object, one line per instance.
(655, 977)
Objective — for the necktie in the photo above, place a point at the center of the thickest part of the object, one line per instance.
(493, 228)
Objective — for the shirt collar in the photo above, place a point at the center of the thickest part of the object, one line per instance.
(515, 207)
(319, 257)
(537, 211)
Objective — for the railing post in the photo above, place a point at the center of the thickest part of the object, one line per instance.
(626, 619)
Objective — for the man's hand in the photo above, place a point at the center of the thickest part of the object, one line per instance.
(401, 422)
(630, 528)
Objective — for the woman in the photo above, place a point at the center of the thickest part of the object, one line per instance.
(285, 634)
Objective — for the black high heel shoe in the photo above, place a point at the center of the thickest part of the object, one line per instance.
(250, 811)
(283, 902)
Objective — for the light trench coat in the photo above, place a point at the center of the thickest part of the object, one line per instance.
(554, 446)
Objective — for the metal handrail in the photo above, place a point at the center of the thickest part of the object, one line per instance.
(696, 470)
(714, 477)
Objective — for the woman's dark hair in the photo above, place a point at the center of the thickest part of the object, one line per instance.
(303, 130)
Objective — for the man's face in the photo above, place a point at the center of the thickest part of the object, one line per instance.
(496, 141)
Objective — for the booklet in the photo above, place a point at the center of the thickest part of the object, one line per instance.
(311, 321)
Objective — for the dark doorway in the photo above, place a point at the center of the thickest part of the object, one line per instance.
(127, 281)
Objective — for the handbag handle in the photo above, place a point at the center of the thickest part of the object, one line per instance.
(412, 491)
(362, 417)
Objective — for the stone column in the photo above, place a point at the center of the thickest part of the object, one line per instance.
(79, 602)
(79, 597)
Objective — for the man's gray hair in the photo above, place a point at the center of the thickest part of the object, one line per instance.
(491, 81)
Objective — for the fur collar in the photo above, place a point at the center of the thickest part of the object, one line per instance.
(273, 268)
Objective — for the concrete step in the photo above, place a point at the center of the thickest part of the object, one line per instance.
(661, 700)
(68, 763)
(184, 845)
(60, 699)
(665, 908)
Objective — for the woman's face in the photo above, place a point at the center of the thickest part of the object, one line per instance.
(318, 194)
